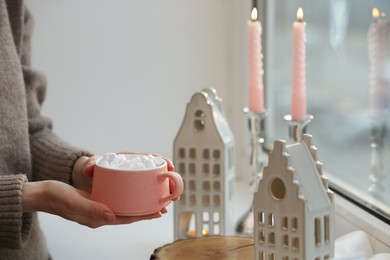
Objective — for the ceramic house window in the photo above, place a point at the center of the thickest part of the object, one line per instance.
(285, 241)
(317, 231)
(326, 229)
(294, 224)
(260, 218)
(199, 122)
(285, 223)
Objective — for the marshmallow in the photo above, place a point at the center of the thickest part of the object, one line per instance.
(149, 163)
(130, 161)
(159, 161)
(104, 163)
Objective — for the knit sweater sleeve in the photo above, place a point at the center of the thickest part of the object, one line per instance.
(52, 158)
(15, 226)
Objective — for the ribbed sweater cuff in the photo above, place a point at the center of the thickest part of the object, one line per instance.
(53, 158)
(15, 227)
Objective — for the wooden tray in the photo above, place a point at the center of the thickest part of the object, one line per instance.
(209, 247)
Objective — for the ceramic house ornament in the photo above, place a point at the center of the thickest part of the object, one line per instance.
(293, 207)
(204, 157)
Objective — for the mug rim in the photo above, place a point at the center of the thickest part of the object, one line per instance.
(132, 170)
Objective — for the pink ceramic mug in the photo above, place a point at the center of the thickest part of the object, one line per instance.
(135, 192)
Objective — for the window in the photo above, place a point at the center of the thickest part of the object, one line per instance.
(206, 169)
(191, 168)
(216, 186)
(205, 200)
(216, 229)
(206, 186)
(261, 236)
(182, 153)
(193, 153)
(326, 229)
(342, 89)
(262, 255)
(217, 200)
(230, 157)
(183, 199)
(271, 239)
(206, 154)
(317, 231)
(277, 189)
(192, 185)
(216, 154)
(205, 229)
(182, 168)
(205, 216)
(285, 241)
(187, 221)
(216, 170)
(260, 217)
(192, 200)
(294, 223)
(199, 122)
(285, 223)
(216, 217)
(295, 243)
(271, 219)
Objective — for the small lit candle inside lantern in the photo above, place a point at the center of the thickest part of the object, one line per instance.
(378, 34)
(192, 233)
(298, 97)
(256, 88)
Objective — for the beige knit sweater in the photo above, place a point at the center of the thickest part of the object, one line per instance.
(29, 151)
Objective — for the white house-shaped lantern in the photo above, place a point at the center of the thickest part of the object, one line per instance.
(204, 156)
(293, 207)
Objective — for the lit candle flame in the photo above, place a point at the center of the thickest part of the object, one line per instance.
(300, 14)
(254, 14)
(375, 13)
(192, 233)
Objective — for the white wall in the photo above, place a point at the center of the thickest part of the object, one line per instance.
(120, 74)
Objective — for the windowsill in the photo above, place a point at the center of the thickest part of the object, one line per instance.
(350, 217)
(376, 205)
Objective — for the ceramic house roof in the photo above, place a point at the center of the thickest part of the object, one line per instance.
(214, 105)
(219, 118)
(308, 177)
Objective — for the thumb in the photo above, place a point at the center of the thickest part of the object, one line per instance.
(98, 212)
(88, 170)
(101, 215)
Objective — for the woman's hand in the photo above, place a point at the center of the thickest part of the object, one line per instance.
(82, 173)
(61, 199)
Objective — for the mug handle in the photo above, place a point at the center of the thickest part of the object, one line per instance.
(179, 185)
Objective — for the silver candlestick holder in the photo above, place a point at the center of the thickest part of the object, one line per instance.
(377, 162)
(256, 126)
(297, 127)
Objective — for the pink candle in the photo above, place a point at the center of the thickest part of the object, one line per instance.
(298, 97)
(256, 89)
(378, 34)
